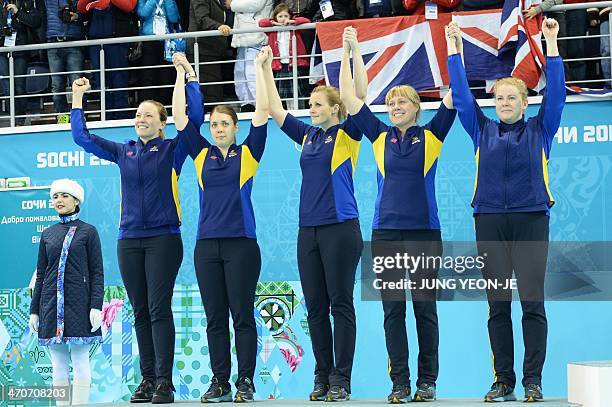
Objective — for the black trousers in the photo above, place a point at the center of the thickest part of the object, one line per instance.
(149, 267)
(415, 243)
(516, 242)
(227, 272)
(327, 260)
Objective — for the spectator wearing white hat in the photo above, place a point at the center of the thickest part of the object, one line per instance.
(67, 299)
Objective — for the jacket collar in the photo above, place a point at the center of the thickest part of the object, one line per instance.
(505, 127)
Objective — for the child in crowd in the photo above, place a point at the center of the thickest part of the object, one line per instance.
(282, 50)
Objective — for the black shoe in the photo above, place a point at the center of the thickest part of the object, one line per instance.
(217, 392)
(245, 390)
(425, 392)
(144, 392)
(247, 108)
(164, 393)
(533, 392)
(337, 393)
(400, 394)
(319, 392)
(500, 392)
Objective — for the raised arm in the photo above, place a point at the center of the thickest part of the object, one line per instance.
(360, 75)
(103, 148)
(187, 123)
(195, 101)
(276, 109)
(348, 93)
(260, 116)
(554, 100)
(471, 116)
(179, 102)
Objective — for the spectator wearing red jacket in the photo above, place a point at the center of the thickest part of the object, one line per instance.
(417, 7)
(110, 19)
(282, 50)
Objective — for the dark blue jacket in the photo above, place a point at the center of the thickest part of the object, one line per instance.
(149, 175)
(110, 22)
(55, 26)
(83, 281)
(511, 159)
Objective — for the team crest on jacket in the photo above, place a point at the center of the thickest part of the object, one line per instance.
(154, 148)
(328, 139)
(415, 140)
(130, 154)
(393, 140)
(213, 157)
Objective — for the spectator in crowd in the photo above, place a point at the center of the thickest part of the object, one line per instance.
(247, 14)
(206, 15)
(299, 8)
(544, 7)
(63, 24)
(418, 6)
(302, 8)
(469, 5)
(604, 30)
(281, 44)
(541, 8)
(375, 8)
(22, 18)
(108, 19)
(156, 16)
(339, 10)
(576, 22)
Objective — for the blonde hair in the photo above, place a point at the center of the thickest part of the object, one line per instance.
(516, 82)
(163, 113)
(407, 92)
(332, 94)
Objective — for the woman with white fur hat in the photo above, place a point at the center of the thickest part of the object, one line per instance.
(67, 298)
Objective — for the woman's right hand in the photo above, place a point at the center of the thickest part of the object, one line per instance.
(80, 86)
(33, 323)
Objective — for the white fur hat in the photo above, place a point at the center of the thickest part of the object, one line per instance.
(70, 187)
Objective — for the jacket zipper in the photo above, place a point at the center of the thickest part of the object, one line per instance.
(142, 212)
(506, 173)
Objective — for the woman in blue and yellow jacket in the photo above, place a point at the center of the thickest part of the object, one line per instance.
(150, 249)
(405, 212)
(329, 238)
(511, 205)
(227, 258)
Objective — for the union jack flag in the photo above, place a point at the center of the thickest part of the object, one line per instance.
(412, 50)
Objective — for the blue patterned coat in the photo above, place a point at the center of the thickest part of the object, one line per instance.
(80, 288)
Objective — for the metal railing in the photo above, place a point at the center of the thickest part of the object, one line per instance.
(103, 90)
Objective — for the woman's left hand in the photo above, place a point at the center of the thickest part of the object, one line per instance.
(95, 318)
